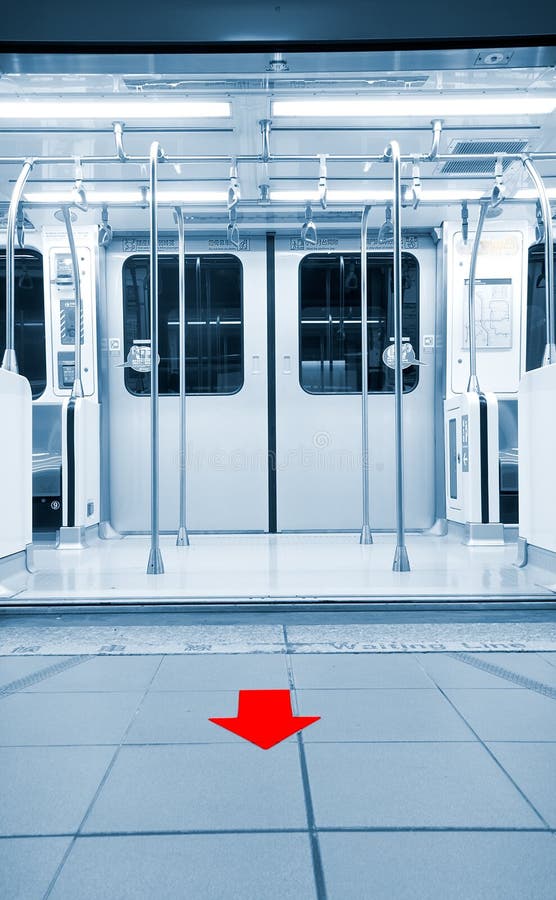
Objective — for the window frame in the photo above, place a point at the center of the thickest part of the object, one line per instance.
(39, 256)
(537, 250)
(175, 256)
(370, 255)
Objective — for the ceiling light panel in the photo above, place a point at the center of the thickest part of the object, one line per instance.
(129, 196)
(419, 106)
(373, 195)
(112, 109)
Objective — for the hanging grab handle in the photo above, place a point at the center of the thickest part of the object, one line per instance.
(265, 126)
(119, 140)
(539, 227)
(464, 221)
(234, 196)
(232, 231)
(234, 191)
(323, 184)
(417, 187)
(309, 229)
(436, 135)
(105, 230)
(79, 197)
(499, 189)
(20, 228)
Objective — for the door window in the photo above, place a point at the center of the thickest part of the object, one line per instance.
(536, 308)
(30, 342)
(214, 323)
(330, 322)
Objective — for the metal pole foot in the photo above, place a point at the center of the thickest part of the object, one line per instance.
(549, 355)
(522, 553)
(401, 560)
(107, 532)
(71, 537)
(183, 537)
(366, 536)
(10, 361)
(155, 566)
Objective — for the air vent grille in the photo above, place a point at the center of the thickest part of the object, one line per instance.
(481, 166)
(253, 85)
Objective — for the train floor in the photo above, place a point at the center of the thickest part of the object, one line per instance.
(247, 568)
(429, 775)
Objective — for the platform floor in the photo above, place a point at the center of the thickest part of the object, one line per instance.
(244, 568)
(431, 775)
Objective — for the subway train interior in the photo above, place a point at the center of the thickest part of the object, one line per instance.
(278, 328)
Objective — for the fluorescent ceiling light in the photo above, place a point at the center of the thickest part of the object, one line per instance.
(373, 195)
(66, 197)
(113, 109)
(312, 196)
(428, 106)
(531, 194)
(452, 194)
(192, 196)
(131, 196)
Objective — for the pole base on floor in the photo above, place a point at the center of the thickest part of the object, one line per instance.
(183, 537)
(155, 566)
(484, 534)
(522, 553)
(401, 560)
(473, 385)
(9, 361)
(71, 537)
(366, 536)
(107, 532)
(549, 355)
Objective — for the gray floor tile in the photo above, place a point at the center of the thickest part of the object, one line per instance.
(183, 717)
(549, 657)
(358, 670)
(53, 719)
(104, 673)
(417, 785)
(439, 866)
(533, 768)
(381, 715)
(47, 790)
(27, 866)
(520, 715)
(210, 786)
(221, 672)
(200, 867)
(530, 665)
(12, 668)
(449, 672)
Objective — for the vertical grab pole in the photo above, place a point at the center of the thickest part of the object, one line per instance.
(155, 565)
(366, 536)
(550, 349)
(183, 537)
(77, 389)
(473, 383)
(401, 559)
(10, 359)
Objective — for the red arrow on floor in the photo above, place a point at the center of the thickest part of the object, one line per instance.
(265, 718)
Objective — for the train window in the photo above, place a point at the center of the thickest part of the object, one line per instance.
(214, 319)
(536, 308)
(330, 322)
(30, 341)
